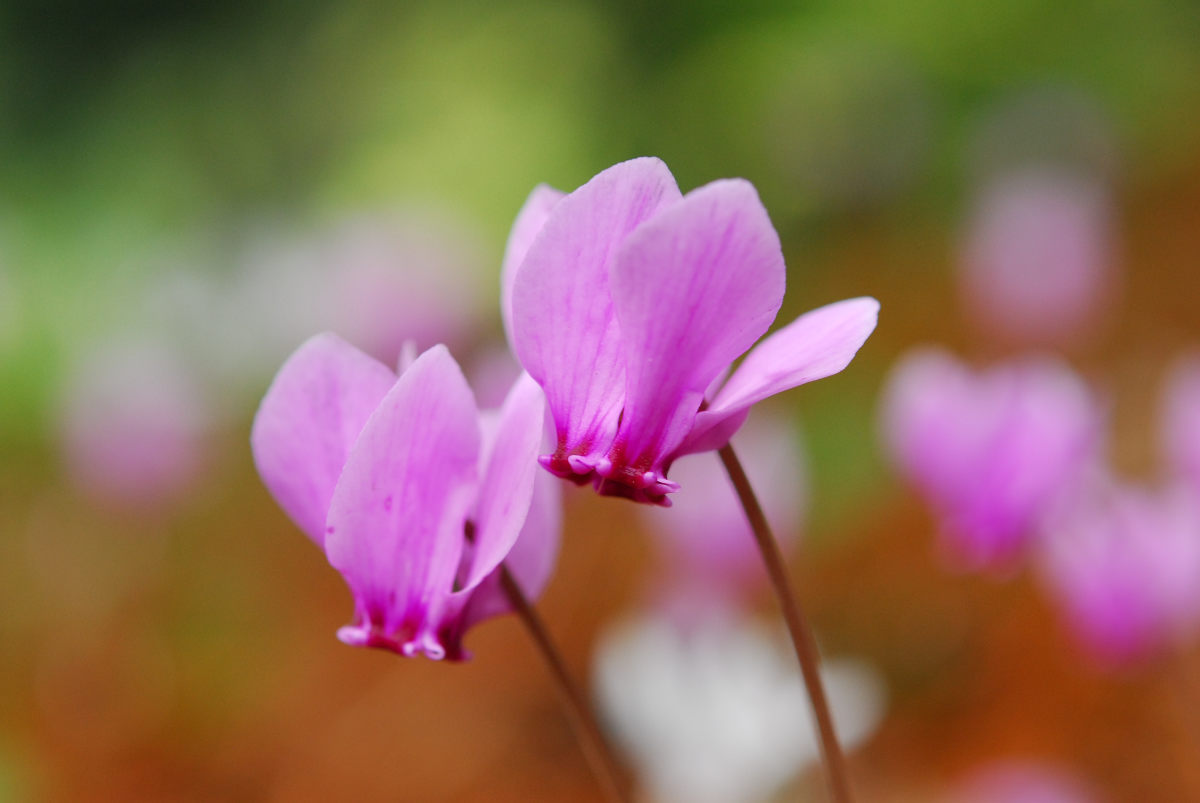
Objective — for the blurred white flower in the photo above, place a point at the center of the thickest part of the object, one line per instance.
(375, 280)
(718, 713)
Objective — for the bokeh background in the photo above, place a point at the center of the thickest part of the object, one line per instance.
(187, 191)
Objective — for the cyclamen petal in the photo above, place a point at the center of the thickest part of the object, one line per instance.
(693, 288)
(309, 420)
(532, 558)
(395, 524)
(526, 227)
(564, 330)
(507, 486)
(818, 344)
(533, 555)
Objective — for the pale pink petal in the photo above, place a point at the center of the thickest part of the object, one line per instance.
(693, 288)
(711, 432)
(395, 525)
(818, 344)
(532, 558)
(308, 421)
(507, 482)
(564, 330)
(526, 227)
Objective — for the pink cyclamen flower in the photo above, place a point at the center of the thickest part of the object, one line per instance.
(1036, 262)
(134, 424)
(1123, 564)
(1021, 782)
(400, 277)
(415, 499)
(627, 301)
(991, 450)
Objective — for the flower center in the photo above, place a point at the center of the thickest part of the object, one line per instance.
(611, 475)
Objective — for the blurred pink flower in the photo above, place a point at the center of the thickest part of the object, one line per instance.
(492, 372)
(1021, 782)
(630, 300)
(404, 277)
(988, 450)
(415, 499)
(1180, 422)
(1036, 261)
(1123, 564)
(132, 424)
(709, 558)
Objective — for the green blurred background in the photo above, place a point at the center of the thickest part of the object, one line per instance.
(185, 651)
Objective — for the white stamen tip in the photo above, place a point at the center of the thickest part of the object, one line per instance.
(580, 464)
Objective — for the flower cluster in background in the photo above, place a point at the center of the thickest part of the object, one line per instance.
(1013, 458)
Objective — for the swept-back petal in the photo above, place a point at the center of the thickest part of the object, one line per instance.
(693, 288)
(532, 557)
(526, 227)
(507, 483)
(564, 330)
(818, 344)
(307, 422)
(395, 526)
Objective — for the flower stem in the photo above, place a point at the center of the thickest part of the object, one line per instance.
(801, 633)
(587, 731)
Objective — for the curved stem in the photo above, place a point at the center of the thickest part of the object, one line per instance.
(801, 633)
(587, 731)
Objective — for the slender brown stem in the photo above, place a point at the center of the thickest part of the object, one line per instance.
(802, 637)
(587, 731)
